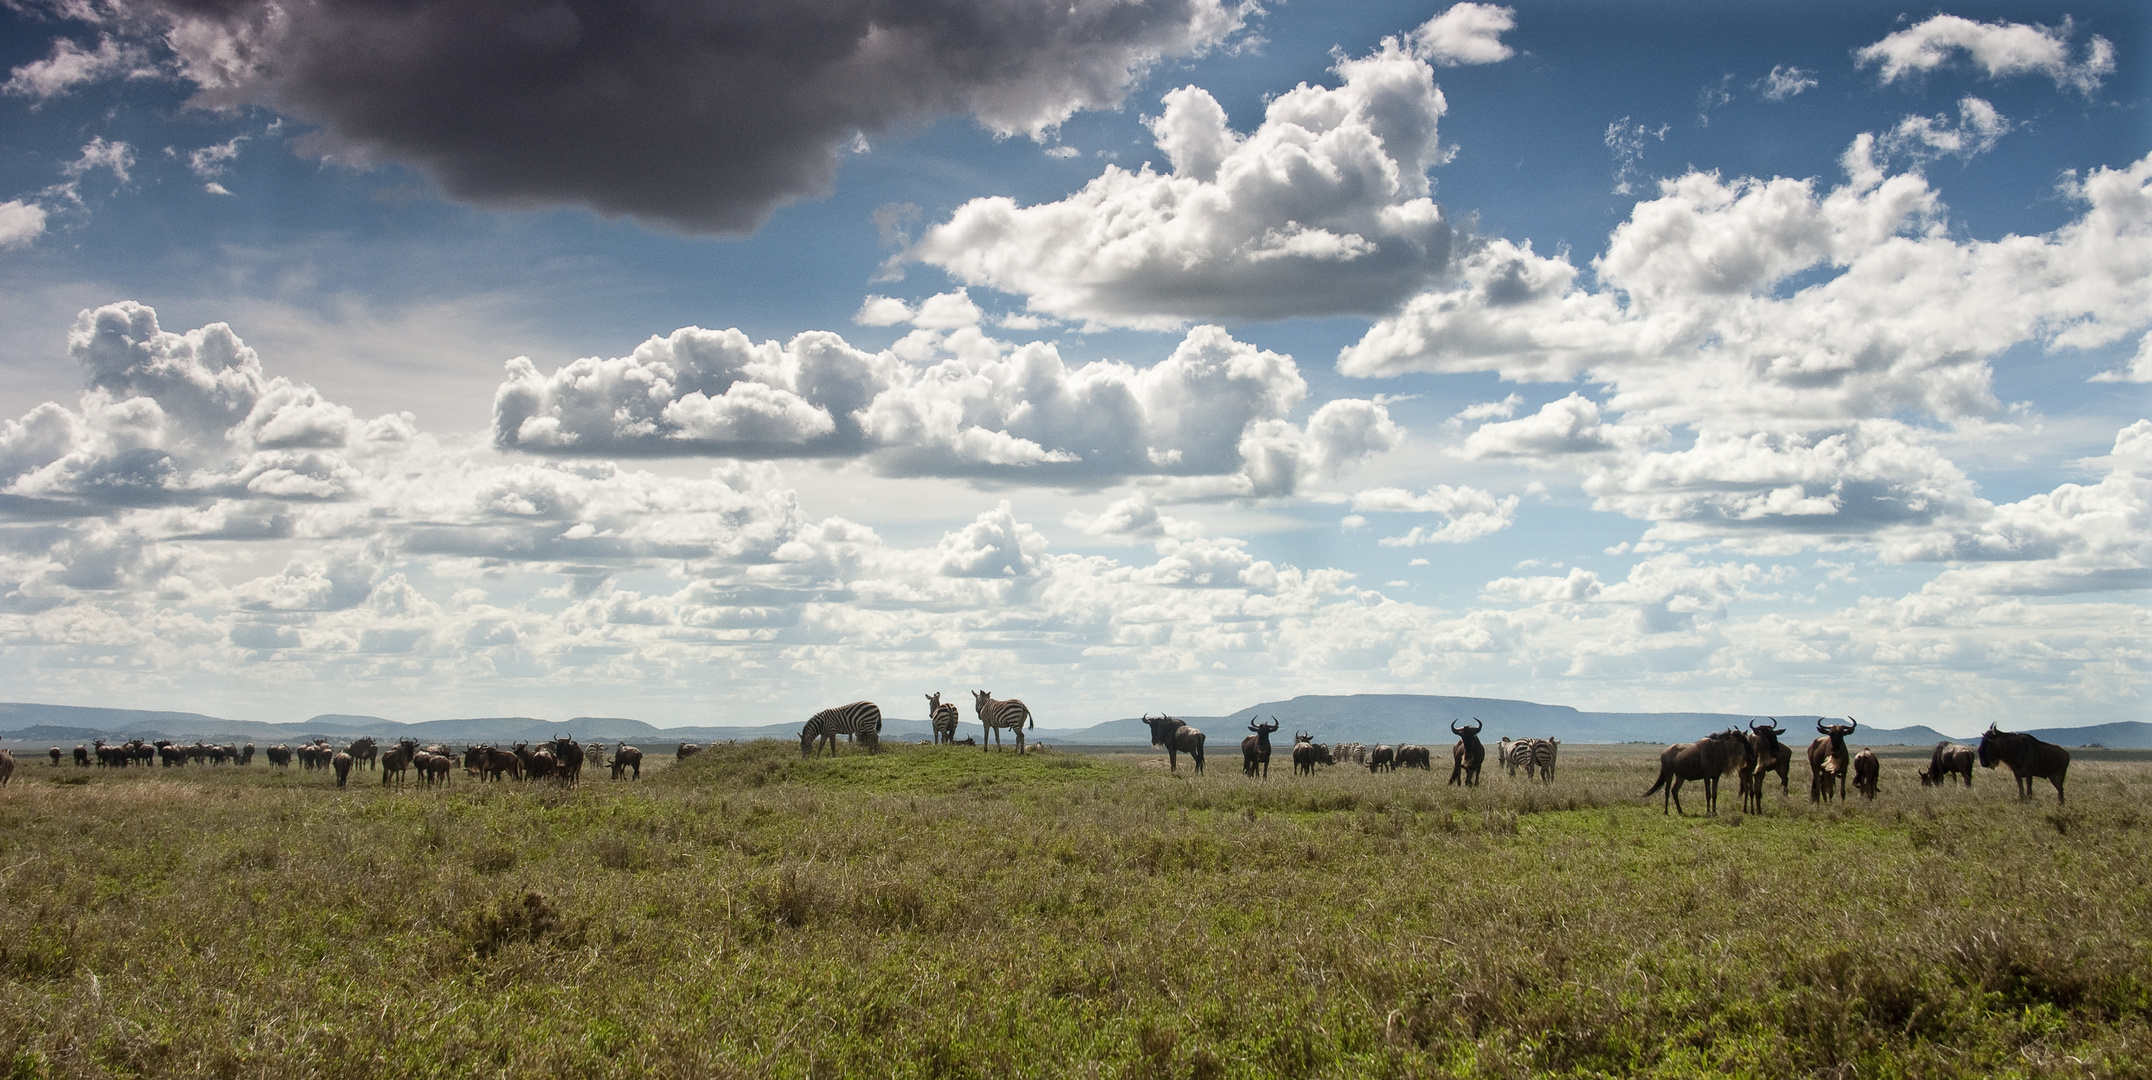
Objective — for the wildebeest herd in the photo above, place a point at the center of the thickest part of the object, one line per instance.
(1753, 754)
(1750, 756)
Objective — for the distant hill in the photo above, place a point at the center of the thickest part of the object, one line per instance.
(1370, 718)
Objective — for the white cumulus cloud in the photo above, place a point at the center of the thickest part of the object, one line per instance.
(1324, 208)
(1466, 33)
(1999, 49)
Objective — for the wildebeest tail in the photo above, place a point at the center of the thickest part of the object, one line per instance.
(1666, 772)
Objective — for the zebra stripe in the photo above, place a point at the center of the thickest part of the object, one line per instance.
(1012, 714)
(860, 718)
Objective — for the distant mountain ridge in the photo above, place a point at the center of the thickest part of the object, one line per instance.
(1420, 718)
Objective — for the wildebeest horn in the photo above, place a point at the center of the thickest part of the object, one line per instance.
(1453, 728)
(1820, 729)
(1851, 722)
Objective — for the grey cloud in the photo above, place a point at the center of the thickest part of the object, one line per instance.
(702, 116)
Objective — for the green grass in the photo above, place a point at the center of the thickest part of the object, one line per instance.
(939, 912)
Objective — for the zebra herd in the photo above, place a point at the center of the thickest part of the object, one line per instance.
(861, 722)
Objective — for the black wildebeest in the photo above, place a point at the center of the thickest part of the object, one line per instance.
(1867, 770)
(1255, 749)
(1949, 758)
(1706, 759)
(1307, 754)
(1828, 760)
(2029, 759)
(1769, 755)
(1468, 755)
(1414, 756)
(1178, 738)
(1382, 759)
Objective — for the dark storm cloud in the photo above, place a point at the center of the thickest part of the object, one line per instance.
(704, 116)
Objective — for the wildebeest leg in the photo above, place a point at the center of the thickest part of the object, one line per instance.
(1673, 792)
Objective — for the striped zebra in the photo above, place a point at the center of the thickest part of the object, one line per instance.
(1542, 754)
(943, 717)
(1012, 714)
(860, 718)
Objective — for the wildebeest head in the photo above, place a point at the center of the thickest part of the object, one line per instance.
(1988, 745)
(1264, 729)
(1837, 732)
(1163, 727)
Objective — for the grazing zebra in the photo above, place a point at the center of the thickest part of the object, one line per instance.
(861, 718)
(943, 716)
(1012, 714)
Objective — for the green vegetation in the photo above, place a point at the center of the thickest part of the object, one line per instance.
(943, 912)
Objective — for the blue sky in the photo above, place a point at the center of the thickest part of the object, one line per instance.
(716, 365)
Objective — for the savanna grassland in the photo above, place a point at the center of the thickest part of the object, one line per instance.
(943, 912)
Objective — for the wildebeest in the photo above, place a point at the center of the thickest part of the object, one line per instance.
(1706, 759)
(1178, 738)
(246, 754)
(491, 763)
(1768, 755)
(1382, 758)
(280, 756)
(1949, 758)
(55, 757)
(1468, 755)
(570, 755)
(7, 766)
(1415, 756)
(395, 761)
(627, 759)
(342, 764)
(2029, 759)
(1828, 760)
(1867, 770)
(1255, 749)
(687, 750)
(1307, 754)
(364, 749)
(82, 756)
(943, 716)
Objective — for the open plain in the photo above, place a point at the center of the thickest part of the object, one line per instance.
(946, 912)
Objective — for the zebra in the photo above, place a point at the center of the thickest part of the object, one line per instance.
(860, 718)
(944, 717)
(1541, 754)
(1012, 714)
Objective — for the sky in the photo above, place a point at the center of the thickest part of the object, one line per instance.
(718, 363)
